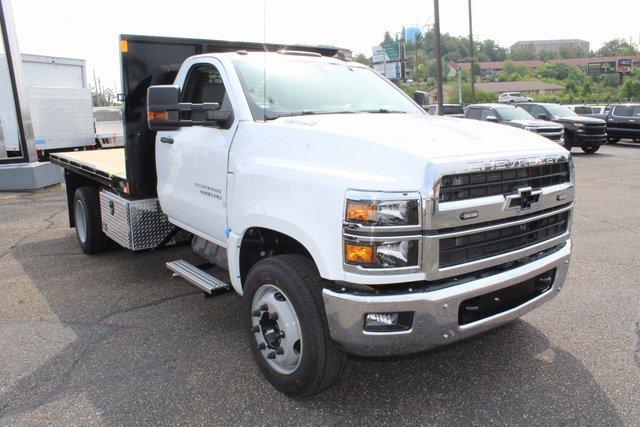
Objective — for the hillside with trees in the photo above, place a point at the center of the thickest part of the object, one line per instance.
(578, 85)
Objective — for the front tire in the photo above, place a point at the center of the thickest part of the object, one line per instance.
(88, 221)
(613, 140)
(590, 148)
(286, 326)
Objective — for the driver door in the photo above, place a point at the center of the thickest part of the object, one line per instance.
(192, 160)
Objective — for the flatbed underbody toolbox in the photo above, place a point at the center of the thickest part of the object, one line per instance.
(135, 224)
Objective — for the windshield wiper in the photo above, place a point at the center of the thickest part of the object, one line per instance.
(383, 111)
(307, 113)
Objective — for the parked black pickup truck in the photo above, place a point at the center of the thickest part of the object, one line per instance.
(516, 117)
(587, 133)
(623, 121)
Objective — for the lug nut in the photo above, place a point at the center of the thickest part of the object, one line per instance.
(256, 313)
(279, 350)
(264, 307)
(255, 329)
(271, 355)
(262, 346)
(274, 316)
(281, 334)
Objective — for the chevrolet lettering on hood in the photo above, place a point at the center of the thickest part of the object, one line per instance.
(478, 166)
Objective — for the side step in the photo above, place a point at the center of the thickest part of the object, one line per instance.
(195, 276)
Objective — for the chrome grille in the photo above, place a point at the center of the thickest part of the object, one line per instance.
(500, 182)
(472, 247)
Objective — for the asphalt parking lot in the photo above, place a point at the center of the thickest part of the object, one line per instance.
(113, 339)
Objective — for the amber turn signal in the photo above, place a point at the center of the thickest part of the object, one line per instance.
(359, 254)
(157, 115)
(361, 211)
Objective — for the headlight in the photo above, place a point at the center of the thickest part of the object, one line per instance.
(382, 213)
(578, 125)
(382, 230)
(399, 254)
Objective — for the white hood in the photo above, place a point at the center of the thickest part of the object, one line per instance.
(430, 137)
(378, 151)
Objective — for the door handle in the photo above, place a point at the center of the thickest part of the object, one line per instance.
(166, 140)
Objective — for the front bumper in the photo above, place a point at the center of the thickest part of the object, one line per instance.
(581, 138)
(435, 320)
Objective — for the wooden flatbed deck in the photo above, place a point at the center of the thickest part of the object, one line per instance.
(107, 166)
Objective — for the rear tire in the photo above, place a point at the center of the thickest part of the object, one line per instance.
(590, 148)
(290, 284)
(88, 221)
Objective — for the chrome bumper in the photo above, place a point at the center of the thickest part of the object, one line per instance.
(435, 321)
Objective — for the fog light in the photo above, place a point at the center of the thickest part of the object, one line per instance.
(388, 322)
(381, 319)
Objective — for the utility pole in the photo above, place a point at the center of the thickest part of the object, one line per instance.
(436, 30)
(459, 85)
(472, 78)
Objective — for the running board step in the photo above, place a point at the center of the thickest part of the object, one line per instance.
(197, 277)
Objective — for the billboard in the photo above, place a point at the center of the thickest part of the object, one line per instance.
(624, 65)
(391, 70)
(388, 59)
(597, 68)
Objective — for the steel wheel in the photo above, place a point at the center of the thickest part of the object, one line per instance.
(80, 220)
(277, 329)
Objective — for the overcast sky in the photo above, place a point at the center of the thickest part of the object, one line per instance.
(89, 29)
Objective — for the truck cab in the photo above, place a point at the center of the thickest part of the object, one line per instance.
(348, 219)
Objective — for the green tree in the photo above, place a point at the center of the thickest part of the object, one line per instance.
(523, 54)
(630, 88)
(617, 47)
(546, 55)
(491, 50)
(480, 96)
(586, 89)
(560, 71)
(513, 71)
(363, 59)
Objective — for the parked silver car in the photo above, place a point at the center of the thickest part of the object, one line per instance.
(510, 97)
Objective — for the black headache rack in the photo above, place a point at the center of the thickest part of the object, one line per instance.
(150, 60)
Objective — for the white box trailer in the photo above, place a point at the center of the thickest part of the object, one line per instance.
(60, 103)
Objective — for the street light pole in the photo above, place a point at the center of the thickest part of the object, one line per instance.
(473, 94)
(436, 30)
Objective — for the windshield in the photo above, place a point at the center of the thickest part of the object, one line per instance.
(307, 87)
(560, 111)
(514, 113)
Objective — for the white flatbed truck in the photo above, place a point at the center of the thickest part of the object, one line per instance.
(349, 220)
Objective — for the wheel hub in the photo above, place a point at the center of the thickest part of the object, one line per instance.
(276, 329)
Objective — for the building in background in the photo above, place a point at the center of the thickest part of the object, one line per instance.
(574, 47)
(492, 68)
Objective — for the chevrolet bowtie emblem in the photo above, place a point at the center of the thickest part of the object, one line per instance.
(522, 198)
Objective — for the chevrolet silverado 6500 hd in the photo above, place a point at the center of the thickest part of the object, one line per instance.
(349, 220)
